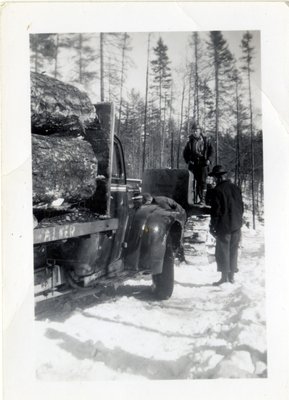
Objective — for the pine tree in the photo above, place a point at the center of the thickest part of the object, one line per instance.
(181, 124)
(196, 46)
(161, 84)
(56, 53)
(190, 75)
(247, 57)
(237, 81)
(42, 49)
(85, 59)
(207, 107)
(222, 62)
(61, 42)
(111, 56)
(131, 129)
(171, 129)
(101, 66)
(146, 104)
(124, 45)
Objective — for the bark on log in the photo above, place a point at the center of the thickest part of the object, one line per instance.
(58, 107)
(62, 168)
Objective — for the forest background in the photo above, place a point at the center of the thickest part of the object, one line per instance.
(161, 83)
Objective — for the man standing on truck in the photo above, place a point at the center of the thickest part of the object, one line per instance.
(198, 154)
(226, 221)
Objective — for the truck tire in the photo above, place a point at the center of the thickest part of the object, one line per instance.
(164, 282)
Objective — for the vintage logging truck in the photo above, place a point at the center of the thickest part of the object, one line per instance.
(90, 226)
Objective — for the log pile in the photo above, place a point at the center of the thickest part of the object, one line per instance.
(64, 164)
(58, 107)
(62, 168)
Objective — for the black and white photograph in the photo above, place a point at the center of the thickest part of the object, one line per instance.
(150, 178)
(147, 166)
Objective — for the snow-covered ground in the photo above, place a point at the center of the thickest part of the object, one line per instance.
(202, 331)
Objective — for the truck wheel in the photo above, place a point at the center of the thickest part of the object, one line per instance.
(164, 282)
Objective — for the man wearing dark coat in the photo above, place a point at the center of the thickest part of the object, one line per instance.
(226, 221)
(198, 154)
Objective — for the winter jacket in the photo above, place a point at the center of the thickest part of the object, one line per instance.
(226, 208)
(168, 204)
(198, 150)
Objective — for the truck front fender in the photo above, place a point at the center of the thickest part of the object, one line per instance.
(147, 238)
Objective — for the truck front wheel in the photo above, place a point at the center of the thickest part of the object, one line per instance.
(164, 282)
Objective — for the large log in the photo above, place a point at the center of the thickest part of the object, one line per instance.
(62, 168)
(58, 107)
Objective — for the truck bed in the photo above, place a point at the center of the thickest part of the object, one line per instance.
(73, 229)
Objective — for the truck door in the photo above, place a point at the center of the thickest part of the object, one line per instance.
(118, 205)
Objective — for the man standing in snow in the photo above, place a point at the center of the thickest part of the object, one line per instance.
(226, 221)
(198, 154)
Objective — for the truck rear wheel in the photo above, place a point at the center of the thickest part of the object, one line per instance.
(164, 282)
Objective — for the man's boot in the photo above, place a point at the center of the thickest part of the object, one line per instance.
(223, 279)
(202, 196)
(198, 195)
(231, 277)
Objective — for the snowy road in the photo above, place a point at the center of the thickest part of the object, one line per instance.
(201, 332)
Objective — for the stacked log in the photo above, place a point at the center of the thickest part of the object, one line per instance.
(59, 107)
(62, 168)
(64, 165)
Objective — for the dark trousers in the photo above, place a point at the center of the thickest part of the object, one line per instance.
(200, 174)
(227, 251)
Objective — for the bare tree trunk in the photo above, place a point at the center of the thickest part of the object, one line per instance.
(247, 58)
(109, 73)
(257, 191)
(204, 112)
(171, 129)
(36, 60)
(164, 132)
(189, 100)
(130, 158)
(101, 68)
(140, 162)
(146, 105)
(196, 76)
(252, 150)
(127, 117)
(80, 58)
(121, 80)
(160, 122)
(180, 130)
(56, 56)
(217, 105)
(237, 175)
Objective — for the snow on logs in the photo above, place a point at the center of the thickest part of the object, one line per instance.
(58, 107)
(64, 165)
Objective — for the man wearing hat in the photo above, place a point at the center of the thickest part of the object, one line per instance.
(226, 221)
(198, 154)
